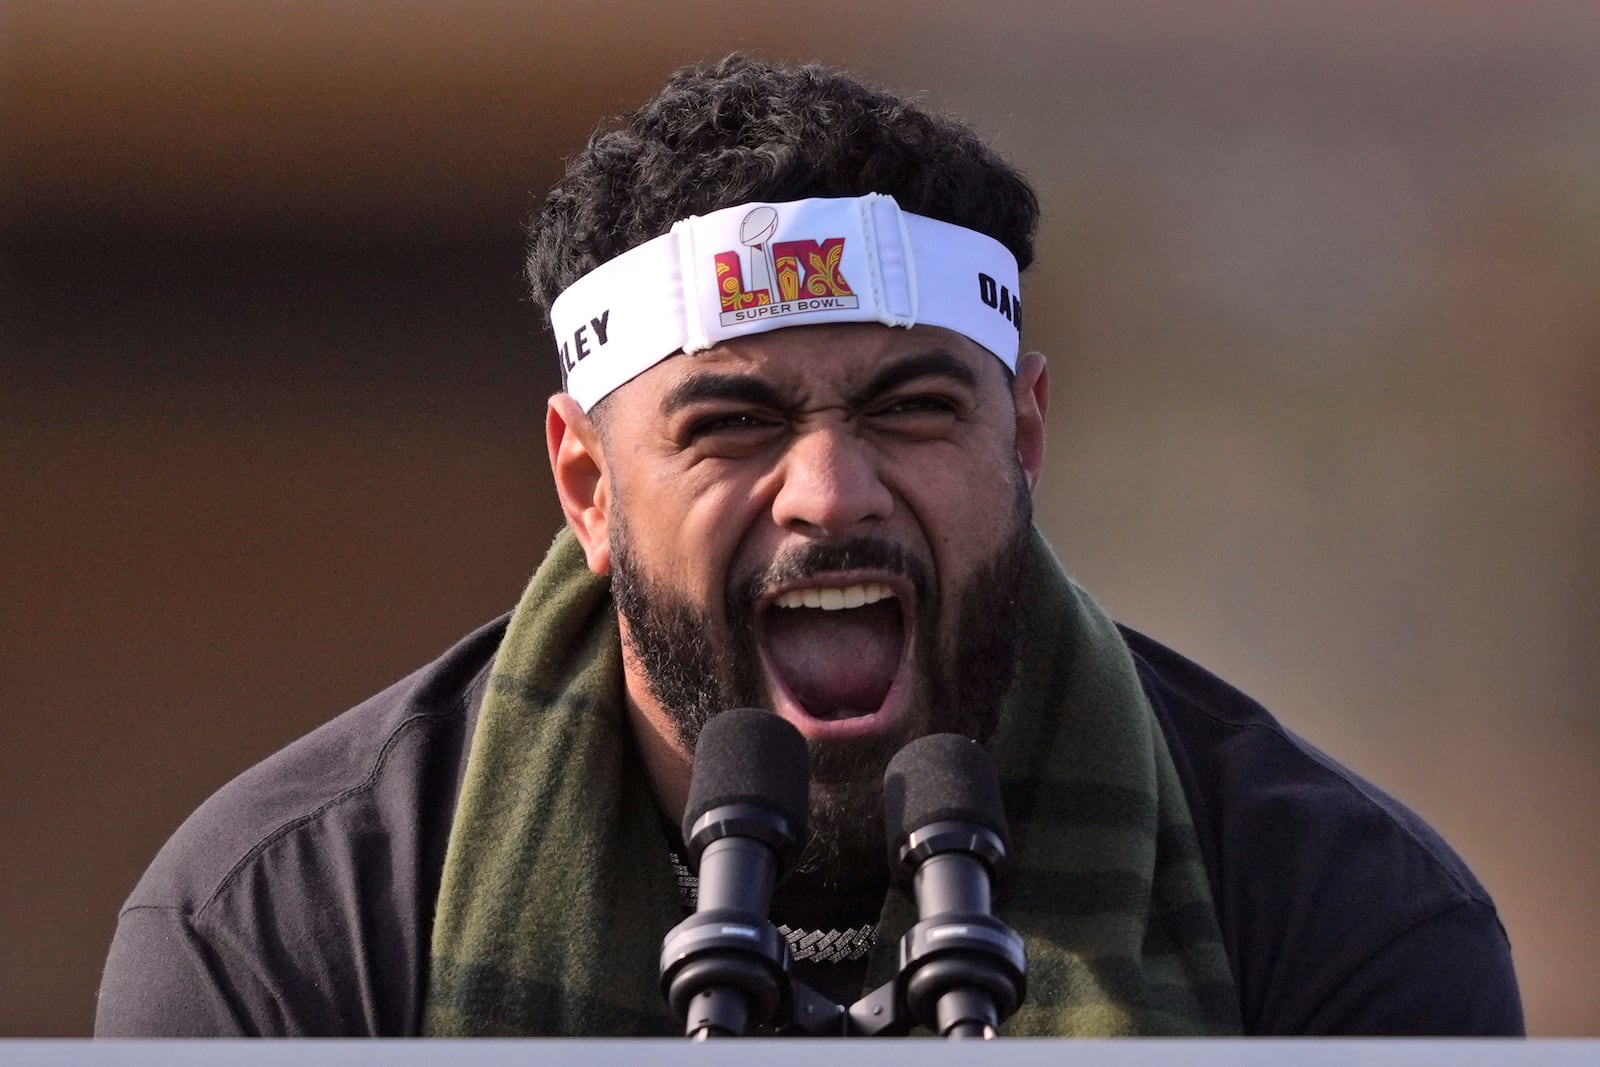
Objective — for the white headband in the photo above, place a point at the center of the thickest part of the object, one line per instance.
(759, 267)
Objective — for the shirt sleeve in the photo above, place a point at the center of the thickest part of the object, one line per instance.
(298, 899)
(162, 979)
(1450, 974)
(307, 940)
(1344, 912)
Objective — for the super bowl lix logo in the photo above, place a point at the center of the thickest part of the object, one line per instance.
(786, 277)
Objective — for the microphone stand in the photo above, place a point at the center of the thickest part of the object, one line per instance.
(962, 971)
(961, 975)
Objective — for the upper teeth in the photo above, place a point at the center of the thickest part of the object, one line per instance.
(851, 596)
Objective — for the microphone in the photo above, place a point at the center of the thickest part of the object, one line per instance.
(963, 971)
(725, 967)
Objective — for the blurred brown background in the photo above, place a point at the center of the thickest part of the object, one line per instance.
(1320, 282)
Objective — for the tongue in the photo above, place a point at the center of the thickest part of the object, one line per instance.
(836, 662)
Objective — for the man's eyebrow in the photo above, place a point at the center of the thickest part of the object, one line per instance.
(742, 388)
(936, 362)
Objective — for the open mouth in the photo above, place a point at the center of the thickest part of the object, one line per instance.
(834, 651)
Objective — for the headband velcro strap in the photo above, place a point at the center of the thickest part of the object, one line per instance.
(759, 267)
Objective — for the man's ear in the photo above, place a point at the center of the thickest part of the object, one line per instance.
(1031, 390)
(578, 465)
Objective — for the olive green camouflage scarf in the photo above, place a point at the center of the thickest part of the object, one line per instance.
(557, 887)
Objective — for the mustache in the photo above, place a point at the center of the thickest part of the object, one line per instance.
(817, 560)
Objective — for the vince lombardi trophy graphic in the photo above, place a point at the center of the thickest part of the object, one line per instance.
(754, 232)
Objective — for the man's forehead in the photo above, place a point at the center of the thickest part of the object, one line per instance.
(825, 360)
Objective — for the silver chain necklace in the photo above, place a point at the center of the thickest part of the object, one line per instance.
(818, 946)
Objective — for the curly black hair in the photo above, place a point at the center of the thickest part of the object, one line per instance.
(743, 130)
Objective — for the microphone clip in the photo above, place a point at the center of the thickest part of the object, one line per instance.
(724, 970)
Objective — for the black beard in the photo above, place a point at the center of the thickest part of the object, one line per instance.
(694, 677)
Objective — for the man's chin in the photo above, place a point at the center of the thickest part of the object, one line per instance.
(842, 770)
(845, 839)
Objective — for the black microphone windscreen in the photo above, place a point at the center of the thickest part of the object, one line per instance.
(748, 756)
(941, 778)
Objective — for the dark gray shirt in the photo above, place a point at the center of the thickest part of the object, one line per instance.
(299, 899)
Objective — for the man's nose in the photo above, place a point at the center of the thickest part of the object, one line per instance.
(832, 485)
